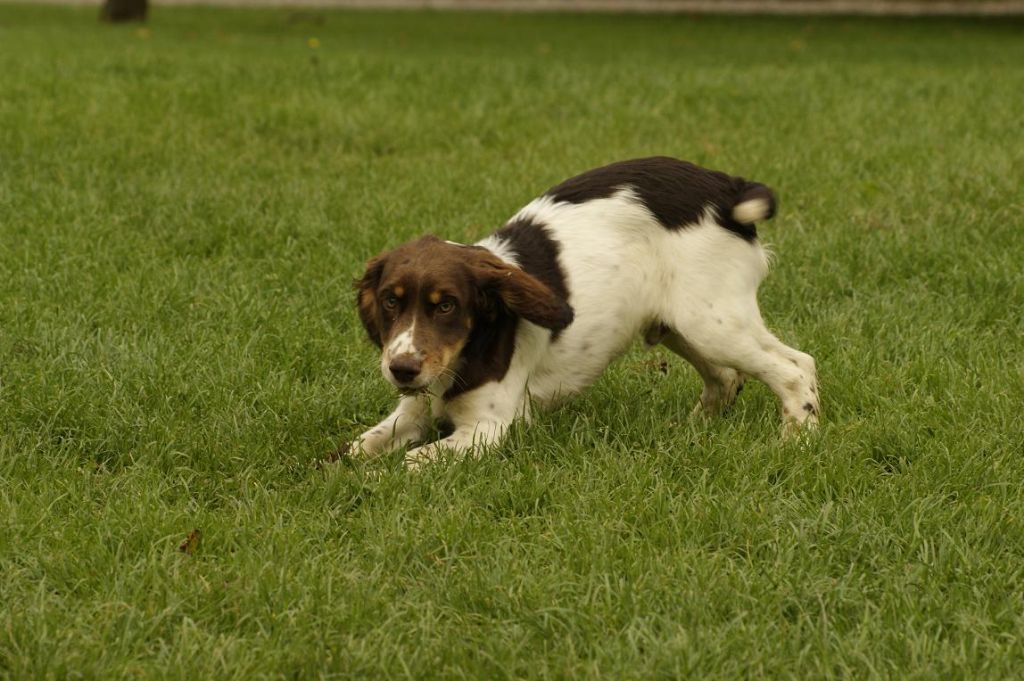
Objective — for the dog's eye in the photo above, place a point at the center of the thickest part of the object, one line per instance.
(445, 307)
(390, 302)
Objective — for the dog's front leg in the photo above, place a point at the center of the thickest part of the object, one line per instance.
(406, 424)
(481, 418)
(466, 439)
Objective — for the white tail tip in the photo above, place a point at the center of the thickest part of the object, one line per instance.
(750, 211)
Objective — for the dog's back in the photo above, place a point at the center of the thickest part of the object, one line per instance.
(634, 245)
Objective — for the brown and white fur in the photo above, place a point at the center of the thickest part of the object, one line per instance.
(655, 247)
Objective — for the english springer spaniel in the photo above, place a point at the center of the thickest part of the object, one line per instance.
(476, 335)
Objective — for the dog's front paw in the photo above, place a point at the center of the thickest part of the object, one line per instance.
(418, 457)
(376, 440)
(451, 448)
(356, 449)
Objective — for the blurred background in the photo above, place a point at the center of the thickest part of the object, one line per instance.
(129, 10)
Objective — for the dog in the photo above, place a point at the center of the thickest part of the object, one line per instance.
(477, 335)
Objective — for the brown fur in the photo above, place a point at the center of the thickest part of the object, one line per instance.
(366, 299)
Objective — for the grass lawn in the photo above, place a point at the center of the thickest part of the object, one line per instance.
(183, 208)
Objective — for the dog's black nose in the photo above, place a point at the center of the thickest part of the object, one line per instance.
(405, 369)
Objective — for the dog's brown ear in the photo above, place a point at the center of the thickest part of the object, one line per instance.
(366, 298)
(522, 293)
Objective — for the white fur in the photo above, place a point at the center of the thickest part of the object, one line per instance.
(625, 272)
(402, 344)
(751, 211)
(499, 248)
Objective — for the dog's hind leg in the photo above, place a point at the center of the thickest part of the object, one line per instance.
(796, 386)
(711, 303)
(749, 348)
(721, 384)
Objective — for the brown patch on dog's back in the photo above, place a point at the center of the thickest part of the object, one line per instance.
(537, 254)
(676, 192)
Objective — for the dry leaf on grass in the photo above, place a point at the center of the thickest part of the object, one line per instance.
(340, 455)
(191, 542)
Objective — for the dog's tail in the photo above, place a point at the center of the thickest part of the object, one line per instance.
(755, 202)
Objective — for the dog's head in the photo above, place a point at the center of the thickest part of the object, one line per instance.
(424, 302)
